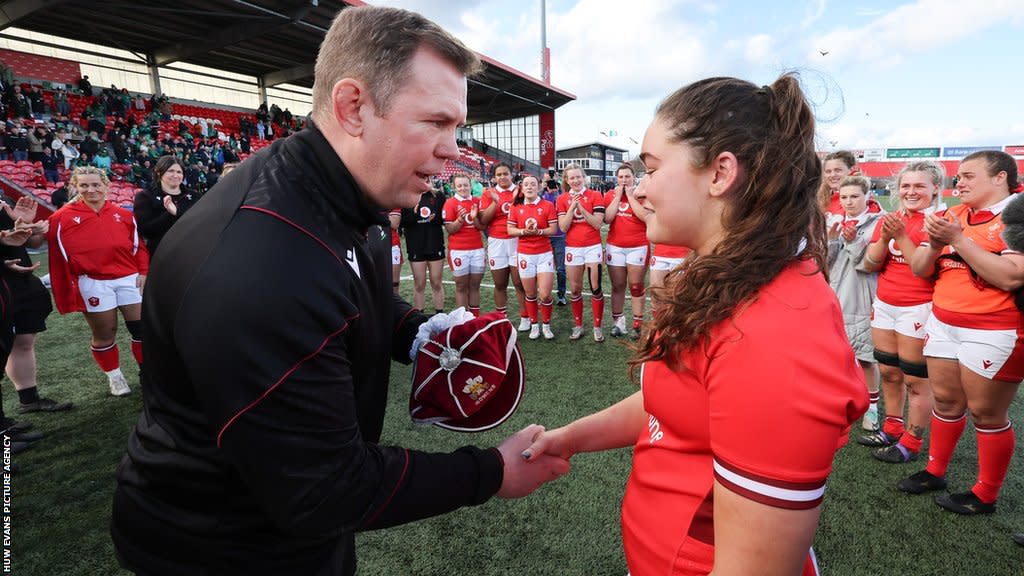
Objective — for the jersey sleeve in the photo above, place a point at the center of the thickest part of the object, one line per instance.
(450, 210)
(778, 414)
(66, 295)
(562, 204)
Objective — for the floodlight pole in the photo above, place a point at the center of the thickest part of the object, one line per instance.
(545, 54)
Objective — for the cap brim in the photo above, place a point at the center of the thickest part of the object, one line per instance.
(499, 408)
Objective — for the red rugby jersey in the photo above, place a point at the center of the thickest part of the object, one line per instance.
(467, 237)
(542, 213)
(962, 298)
(897, 285)
(580, 233)
(627, 230)
(498, 228)
(763, 419)
(102, 245)
(669, 251)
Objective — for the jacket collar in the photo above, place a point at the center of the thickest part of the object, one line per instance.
(342, 192)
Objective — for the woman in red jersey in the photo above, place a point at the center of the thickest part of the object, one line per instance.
(627, 251)
(974, 351)
(724, 158)
(533, 220)
(501, 249)
(580, 216)
(465, 246)
(99, 266)
(902, 305)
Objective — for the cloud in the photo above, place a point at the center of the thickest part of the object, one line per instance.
(812, 17)
(911, 29)
(759, 49)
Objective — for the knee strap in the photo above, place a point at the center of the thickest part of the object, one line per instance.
(595, 290)
(914, 369)
(636, 290)
(887, 358)
(134, 328)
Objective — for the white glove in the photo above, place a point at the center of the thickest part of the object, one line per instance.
(438, 323)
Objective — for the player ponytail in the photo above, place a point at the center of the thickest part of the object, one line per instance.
(770, 130)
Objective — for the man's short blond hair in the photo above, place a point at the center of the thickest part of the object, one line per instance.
(375, 45)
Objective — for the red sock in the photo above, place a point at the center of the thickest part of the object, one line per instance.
(873, 398)
(137, 350)
(945, 433)
(531, 309)
(475, 311)
(502, 309)
(597, 307)
(545, 312)
(577, 309)
(637, 322)
(911, 442)
(893, 426)
(995, 449)
(107, 358)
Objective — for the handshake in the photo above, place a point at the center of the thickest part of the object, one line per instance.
(468, 376)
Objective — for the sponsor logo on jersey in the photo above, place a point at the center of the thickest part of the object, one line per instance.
(350, 259)
(623, 206)
(505, 207)
(531, 223)
(424, 212)
(77, 219)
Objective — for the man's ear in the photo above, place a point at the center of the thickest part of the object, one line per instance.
(726, 171)
(349, 100)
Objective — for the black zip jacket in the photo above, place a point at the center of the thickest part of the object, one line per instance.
(268, 323)
(153, 218)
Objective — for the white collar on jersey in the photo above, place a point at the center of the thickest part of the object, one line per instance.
(996, 208)
(535, 201)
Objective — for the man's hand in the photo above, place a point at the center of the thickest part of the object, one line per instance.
(522, 477)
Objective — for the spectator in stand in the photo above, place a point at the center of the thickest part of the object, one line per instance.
(36, 142)
(5, 149)
(102, 159)
(140, 103)
(158, 207)
(84, 86)
(18, 144)
(35, 98)
(51, 163)
(627, 252)
(30, 305)
(97, 266)
(89, 147)
(60, 196)
(423, 227)
(261, 130)
(244, 145)
(60, 100)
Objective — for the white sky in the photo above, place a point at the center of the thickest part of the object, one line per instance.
(896, 73)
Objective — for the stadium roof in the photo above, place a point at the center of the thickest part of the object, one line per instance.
(276, 40)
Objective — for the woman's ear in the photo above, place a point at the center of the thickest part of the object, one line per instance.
(725, 172)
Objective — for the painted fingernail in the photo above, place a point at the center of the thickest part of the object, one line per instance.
(526, 454)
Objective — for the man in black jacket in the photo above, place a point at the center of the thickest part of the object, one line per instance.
(270, 327)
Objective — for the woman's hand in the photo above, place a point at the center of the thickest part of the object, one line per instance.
(941, 232)
(140, 282)
(170, 206)
(16, 266)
